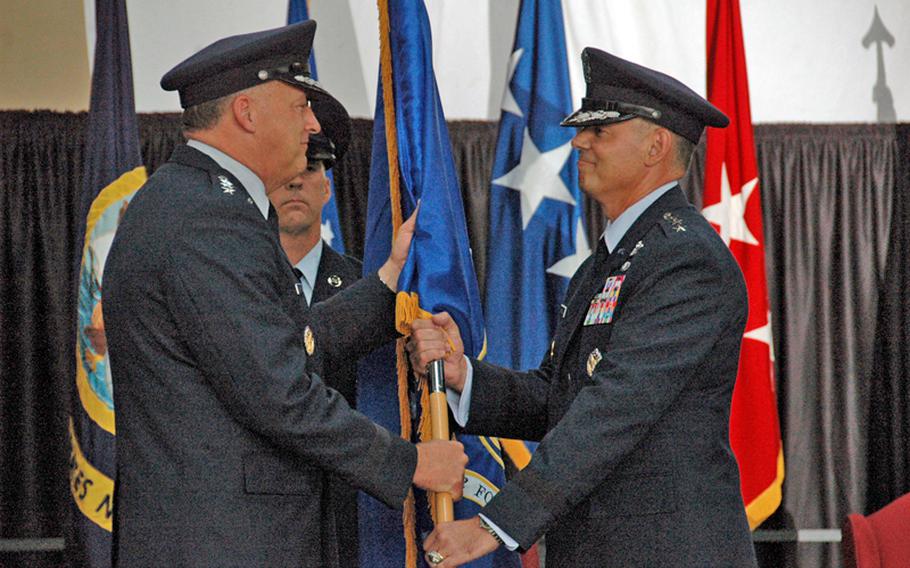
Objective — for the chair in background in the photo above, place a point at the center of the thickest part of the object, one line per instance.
(880, 540)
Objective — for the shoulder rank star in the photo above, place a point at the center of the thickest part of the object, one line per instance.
(675, 221)
(226, 185)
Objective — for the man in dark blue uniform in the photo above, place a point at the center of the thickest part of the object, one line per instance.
(323, 272)
(225, 444)
(632, 402)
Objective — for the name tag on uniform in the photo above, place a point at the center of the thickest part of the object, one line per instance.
(604, 304)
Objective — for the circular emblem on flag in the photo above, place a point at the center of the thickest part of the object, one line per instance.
(309, 341)
(93, 375)
(91, 342)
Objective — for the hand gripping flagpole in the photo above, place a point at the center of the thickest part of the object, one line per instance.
(439, 425)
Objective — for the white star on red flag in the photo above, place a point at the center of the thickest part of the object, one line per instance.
(729, 214)
(730, 166)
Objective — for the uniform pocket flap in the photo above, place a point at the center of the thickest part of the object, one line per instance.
(268, 474)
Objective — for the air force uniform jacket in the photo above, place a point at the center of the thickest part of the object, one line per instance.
(631, 406)
(337, 272)
(224, 443)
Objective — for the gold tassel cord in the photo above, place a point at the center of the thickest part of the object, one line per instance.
(391, 134)
(407, 309)
(409, 515)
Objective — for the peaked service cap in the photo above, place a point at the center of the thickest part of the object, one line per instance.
(619, 90)
(238, 62)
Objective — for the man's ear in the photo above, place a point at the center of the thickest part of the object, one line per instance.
(242, 108)
(327, 187)
(659, 147)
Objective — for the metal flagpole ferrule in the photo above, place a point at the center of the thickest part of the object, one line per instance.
(439, 426)
(436, 376)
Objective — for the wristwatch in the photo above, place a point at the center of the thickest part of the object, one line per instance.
(485, 526)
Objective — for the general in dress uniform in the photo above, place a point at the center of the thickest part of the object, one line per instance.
(224, 443)
(631, 404)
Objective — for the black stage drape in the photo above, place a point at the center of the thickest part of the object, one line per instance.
(889, 393)
(837, 226)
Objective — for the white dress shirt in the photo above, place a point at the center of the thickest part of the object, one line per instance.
(309, 267)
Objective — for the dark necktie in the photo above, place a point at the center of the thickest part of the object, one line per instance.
(302, 285)
(601, 253)
(593, 280)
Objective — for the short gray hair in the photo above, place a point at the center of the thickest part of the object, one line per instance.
(684, 150)
(205, 115)
(684, 147)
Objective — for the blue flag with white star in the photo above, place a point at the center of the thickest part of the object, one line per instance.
(331, 227)
(535, 203)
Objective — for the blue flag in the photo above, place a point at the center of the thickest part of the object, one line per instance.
(113, 173)
(535, 203)
(439, 271)
(331, 227)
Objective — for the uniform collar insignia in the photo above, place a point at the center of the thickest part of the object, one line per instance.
(675, 221)
(226, 185)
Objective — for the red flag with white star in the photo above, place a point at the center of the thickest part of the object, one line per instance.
(733, 206)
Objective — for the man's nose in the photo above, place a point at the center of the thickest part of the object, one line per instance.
(312, 123)
(581, 139)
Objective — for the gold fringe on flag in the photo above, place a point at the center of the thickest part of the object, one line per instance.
(409, 515)
(407, 307)
(388, 97)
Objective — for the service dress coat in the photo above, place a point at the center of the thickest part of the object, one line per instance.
(634, 467)
(224, 444)
(336, 272)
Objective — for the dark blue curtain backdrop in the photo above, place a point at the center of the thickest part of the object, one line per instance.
(836, 201)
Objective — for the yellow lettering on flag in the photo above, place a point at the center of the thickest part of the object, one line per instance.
(92, 491)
